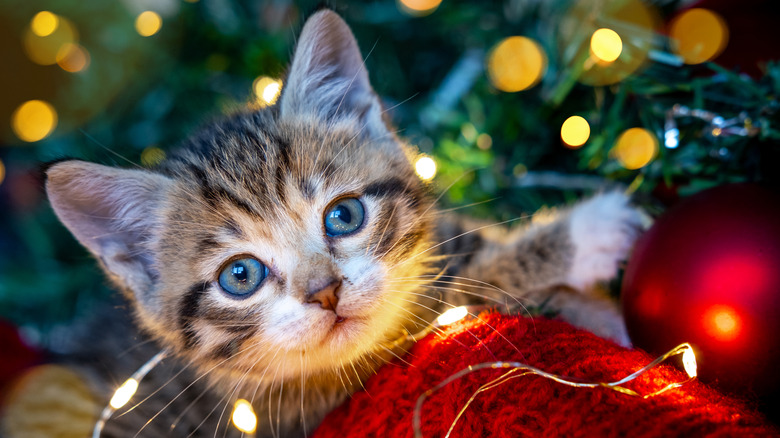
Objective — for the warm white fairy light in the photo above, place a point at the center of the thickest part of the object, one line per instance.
(124, 393)
(453, 315)
(688, 358)
(244, 417)
(689, 363)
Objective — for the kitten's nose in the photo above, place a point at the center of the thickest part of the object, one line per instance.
(327, 295)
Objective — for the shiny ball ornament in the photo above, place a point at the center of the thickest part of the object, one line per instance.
(708, 272)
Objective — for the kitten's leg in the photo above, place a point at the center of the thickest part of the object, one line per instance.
(602, 231)
(581, 247)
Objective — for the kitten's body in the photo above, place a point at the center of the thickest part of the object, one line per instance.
(259, 185)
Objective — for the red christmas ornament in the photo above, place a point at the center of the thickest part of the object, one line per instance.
(708, 273)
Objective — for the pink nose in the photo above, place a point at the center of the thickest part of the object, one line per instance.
(327, 296)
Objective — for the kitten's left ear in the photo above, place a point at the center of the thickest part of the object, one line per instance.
(328, 79)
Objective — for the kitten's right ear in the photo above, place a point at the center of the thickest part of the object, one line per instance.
(113, 212)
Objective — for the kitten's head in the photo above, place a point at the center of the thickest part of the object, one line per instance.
(280, 239)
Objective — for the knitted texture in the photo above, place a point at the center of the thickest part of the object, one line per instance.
(532, 406)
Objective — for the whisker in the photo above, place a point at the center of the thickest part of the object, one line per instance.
(192, 383)
(117, 154)
(467, 330)
(456, 237)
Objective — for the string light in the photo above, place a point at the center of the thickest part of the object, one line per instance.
(698, 35)
(688, 359)
(425, 167)
(516, 63)
(244, 417)
(148, 23)
(125, 393)
(575, 131)
(452, 315)
(606, 45)
(34, 120)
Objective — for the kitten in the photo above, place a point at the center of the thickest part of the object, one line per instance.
(281, 250)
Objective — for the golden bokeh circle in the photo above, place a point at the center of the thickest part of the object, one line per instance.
(148, 23)
(606, 45)
(575, 131)
(43, 49)
(516, 63)
(266, 90)
(635, 148)
(418, 8)
(73, 58)
(637, 24)
(698, 35)
(34, 120)
(44, 23)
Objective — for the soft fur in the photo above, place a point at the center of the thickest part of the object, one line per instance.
(259, 184)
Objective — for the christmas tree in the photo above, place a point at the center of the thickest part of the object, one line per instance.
(519, 104)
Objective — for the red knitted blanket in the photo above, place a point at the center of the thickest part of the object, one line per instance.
(532, 406)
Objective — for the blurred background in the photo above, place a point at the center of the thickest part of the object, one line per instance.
(515, 104)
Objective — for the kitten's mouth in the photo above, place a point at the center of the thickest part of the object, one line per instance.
(339, 319)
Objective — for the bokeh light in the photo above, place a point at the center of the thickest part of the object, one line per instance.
(73, 58)
(722, 323)
(516, 63)
(606, 57)
(2, 171)
(267, 90)
(42, 41)
(34, 120)
(244, 417)
(44, 23)
(425, 167)
(484, 141)
(124, 393)
(606, 45)
(575, 131)
(698, 35)
(635, 148)
(418, 8)
(148, 23)
(152, 156)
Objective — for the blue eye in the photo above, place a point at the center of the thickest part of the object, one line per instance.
(344, 217)
(242, 277)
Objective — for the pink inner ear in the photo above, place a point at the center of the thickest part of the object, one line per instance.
(111, 212)
(328, 78)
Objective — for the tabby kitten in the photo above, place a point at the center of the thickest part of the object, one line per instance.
(281, 251)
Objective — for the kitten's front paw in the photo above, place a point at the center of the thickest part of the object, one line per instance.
(603, 230)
